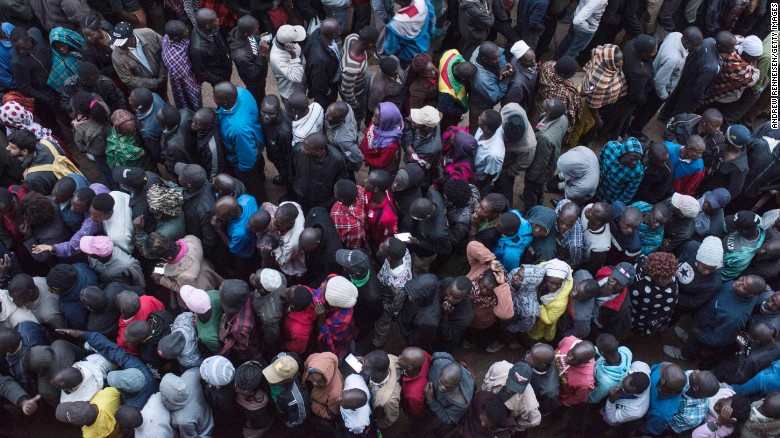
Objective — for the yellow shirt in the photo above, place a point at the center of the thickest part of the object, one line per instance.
(107, 401)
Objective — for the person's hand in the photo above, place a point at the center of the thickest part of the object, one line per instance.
(319, 309)
(508, 72)
(446, 307)
(25, 229)
(156, 278)
(5, 265)
(263, 47)
(216, 222)
(725, 416)
(500, 277)
(39, 249)
(138, 223)
(614, 393)
(290, 48)
(429, 392)
(73, 333)
(30, 405)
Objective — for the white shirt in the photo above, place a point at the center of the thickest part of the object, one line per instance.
(489, 156)
(629, 409)
(119, 227)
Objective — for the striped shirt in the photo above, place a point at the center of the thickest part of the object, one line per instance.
(353, 74)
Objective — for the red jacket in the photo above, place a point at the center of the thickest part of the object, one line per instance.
(378, 158)
(381, 220)
(297, 329)
(576, 381)
(149, 304)
(413, 390)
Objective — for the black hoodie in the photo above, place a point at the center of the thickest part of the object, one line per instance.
(419, 318)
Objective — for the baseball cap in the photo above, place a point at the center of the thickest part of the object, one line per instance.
(121, 34)
(622, 272)
(738, 135)
(100, 246)
(283, 368)
(289, 34)
(427, 115)
(133, 177)
(519, 377)
(192, 173)
(352, 258)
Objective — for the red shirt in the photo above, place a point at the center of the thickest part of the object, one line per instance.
(381, 220)
(576, 381)
(413, 390)
(350, 221)
(297, 329)
(149, 304)
(378, 158)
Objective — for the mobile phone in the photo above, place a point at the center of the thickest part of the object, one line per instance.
(403, 237)
(159, 269)
(267, 38)
(353, 362)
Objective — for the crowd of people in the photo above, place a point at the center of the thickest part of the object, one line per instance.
(151, 287)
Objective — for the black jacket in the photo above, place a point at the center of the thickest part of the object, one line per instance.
(106, 89)
(639, 74)
(453, 325)
(198, 210)
(252, 69)
(697, 77)
(419, 319)
(43, 181)
(763, 162)
(211, 151)
(210, 58)
(99, 55)
(322, 70)
(433, 233)
(656, 183)
(744, 365)
(278, 137)
(322, 261)
(177, 145)
(31, 71)
(294, 402)
(160, 322)
(313, 178)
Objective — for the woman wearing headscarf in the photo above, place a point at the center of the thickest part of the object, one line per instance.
(604, 84)
(322, 375)
(542, 248)
(490, 291)
(66, 55)
(380, 144)
(421, 82)
(458, 147)
(654, 293)
(745, 235)
(124, 144)
(165, 204)
(15, 117)
(553, 293)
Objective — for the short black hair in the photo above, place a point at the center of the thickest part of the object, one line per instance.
(85, 194)
(170, 115)
(492, 119)
(457, 191)
(389, 65)
(378, 358)
(249, 375)
(347, 190)
(462, 282)
(640, 381)
(128, 417)
(395, 248)
(566, 66)
(173, 27)
(381, 178)
(288, 211)
(88, 69)
(37, 209)
(24, 140)
(498, 202)
(103, 202)
(509, 221)
(65, 185)
(301, 298)
(369, 35)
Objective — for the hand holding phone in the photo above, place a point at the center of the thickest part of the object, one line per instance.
(404, 237)
(353, 362)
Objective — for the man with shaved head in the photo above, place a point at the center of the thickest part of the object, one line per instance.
(492, 79)
(449, 390)
(314, 170)
(208, 52)
(574, 360)
(570, 246)
(694, 405)
(341, 130)
(667, 382)
(718, 322)
(323, 63)
(657, 181)
(211, 149)
(698, 75)
(230, 220)
(414, 364)
(624, 227)
(242, 135)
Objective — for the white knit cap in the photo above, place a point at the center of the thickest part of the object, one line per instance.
(519, 49)
(340, 292)
(752, 46)
(217, 371)
(688, 205)
(710, 252)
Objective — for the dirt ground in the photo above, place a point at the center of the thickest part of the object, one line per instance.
(648, 350)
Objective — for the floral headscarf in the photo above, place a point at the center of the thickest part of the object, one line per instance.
(14, 116)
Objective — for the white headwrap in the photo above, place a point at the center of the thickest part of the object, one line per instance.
(557, 268)
(751, 45)
(357, 420)
(519, 49)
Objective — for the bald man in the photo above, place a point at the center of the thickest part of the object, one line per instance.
(698, 75)
(687, 164)
(242, 135)
(667, 381)
(544, 379)
(323, 63)
(626, 241)
(758, 353)
(208, 52)
(314, 170)
(415, 364)
(492, 79)
(575, 362)
(449, 390)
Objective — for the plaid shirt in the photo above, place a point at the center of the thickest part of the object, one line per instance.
(571, 245)
(618, 182)
(553, 86)
(692, 411)
(350, 221)
(184, 87)
(338, 331)
(242, 342)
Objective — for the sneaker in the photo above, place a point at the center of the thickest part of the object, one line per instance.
(466, 344)
(681, 334)
(673, 352)
(515, 345)
(494, 347)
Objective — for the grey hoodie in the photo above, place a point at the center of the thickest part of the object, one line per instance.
(579, 170)
(449, 411)
(190, 356)
(183, 396)
(520, 151)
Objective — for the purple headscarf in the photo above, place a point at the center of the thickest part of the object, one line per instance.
(391, 126)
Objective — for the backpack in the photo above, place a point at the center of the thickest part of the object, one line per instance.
(60, 167)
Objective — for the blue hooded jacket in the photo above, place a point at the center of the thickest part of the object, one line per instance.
(70, 300)
(241, 131)
(6, 54)
(511, 248)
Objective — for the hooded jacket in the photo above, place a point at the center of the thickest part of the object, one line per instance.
(405, 196)
(325, 400)
(183, 397)
(524, 408)
(542, 249)
(511, 248)
(210, 57)
(177, 144)
(579, 170)
(763, 160)
(45, 361)
(241, 131)
(198, 209)
(449, 411)
(520, 152)
(418, 320)
(322, 261)
(433, 233)
(190, 356)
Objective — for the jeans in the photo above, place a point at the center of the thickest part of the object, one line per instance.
(573, 43)
(340, 15)
(105, 171)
